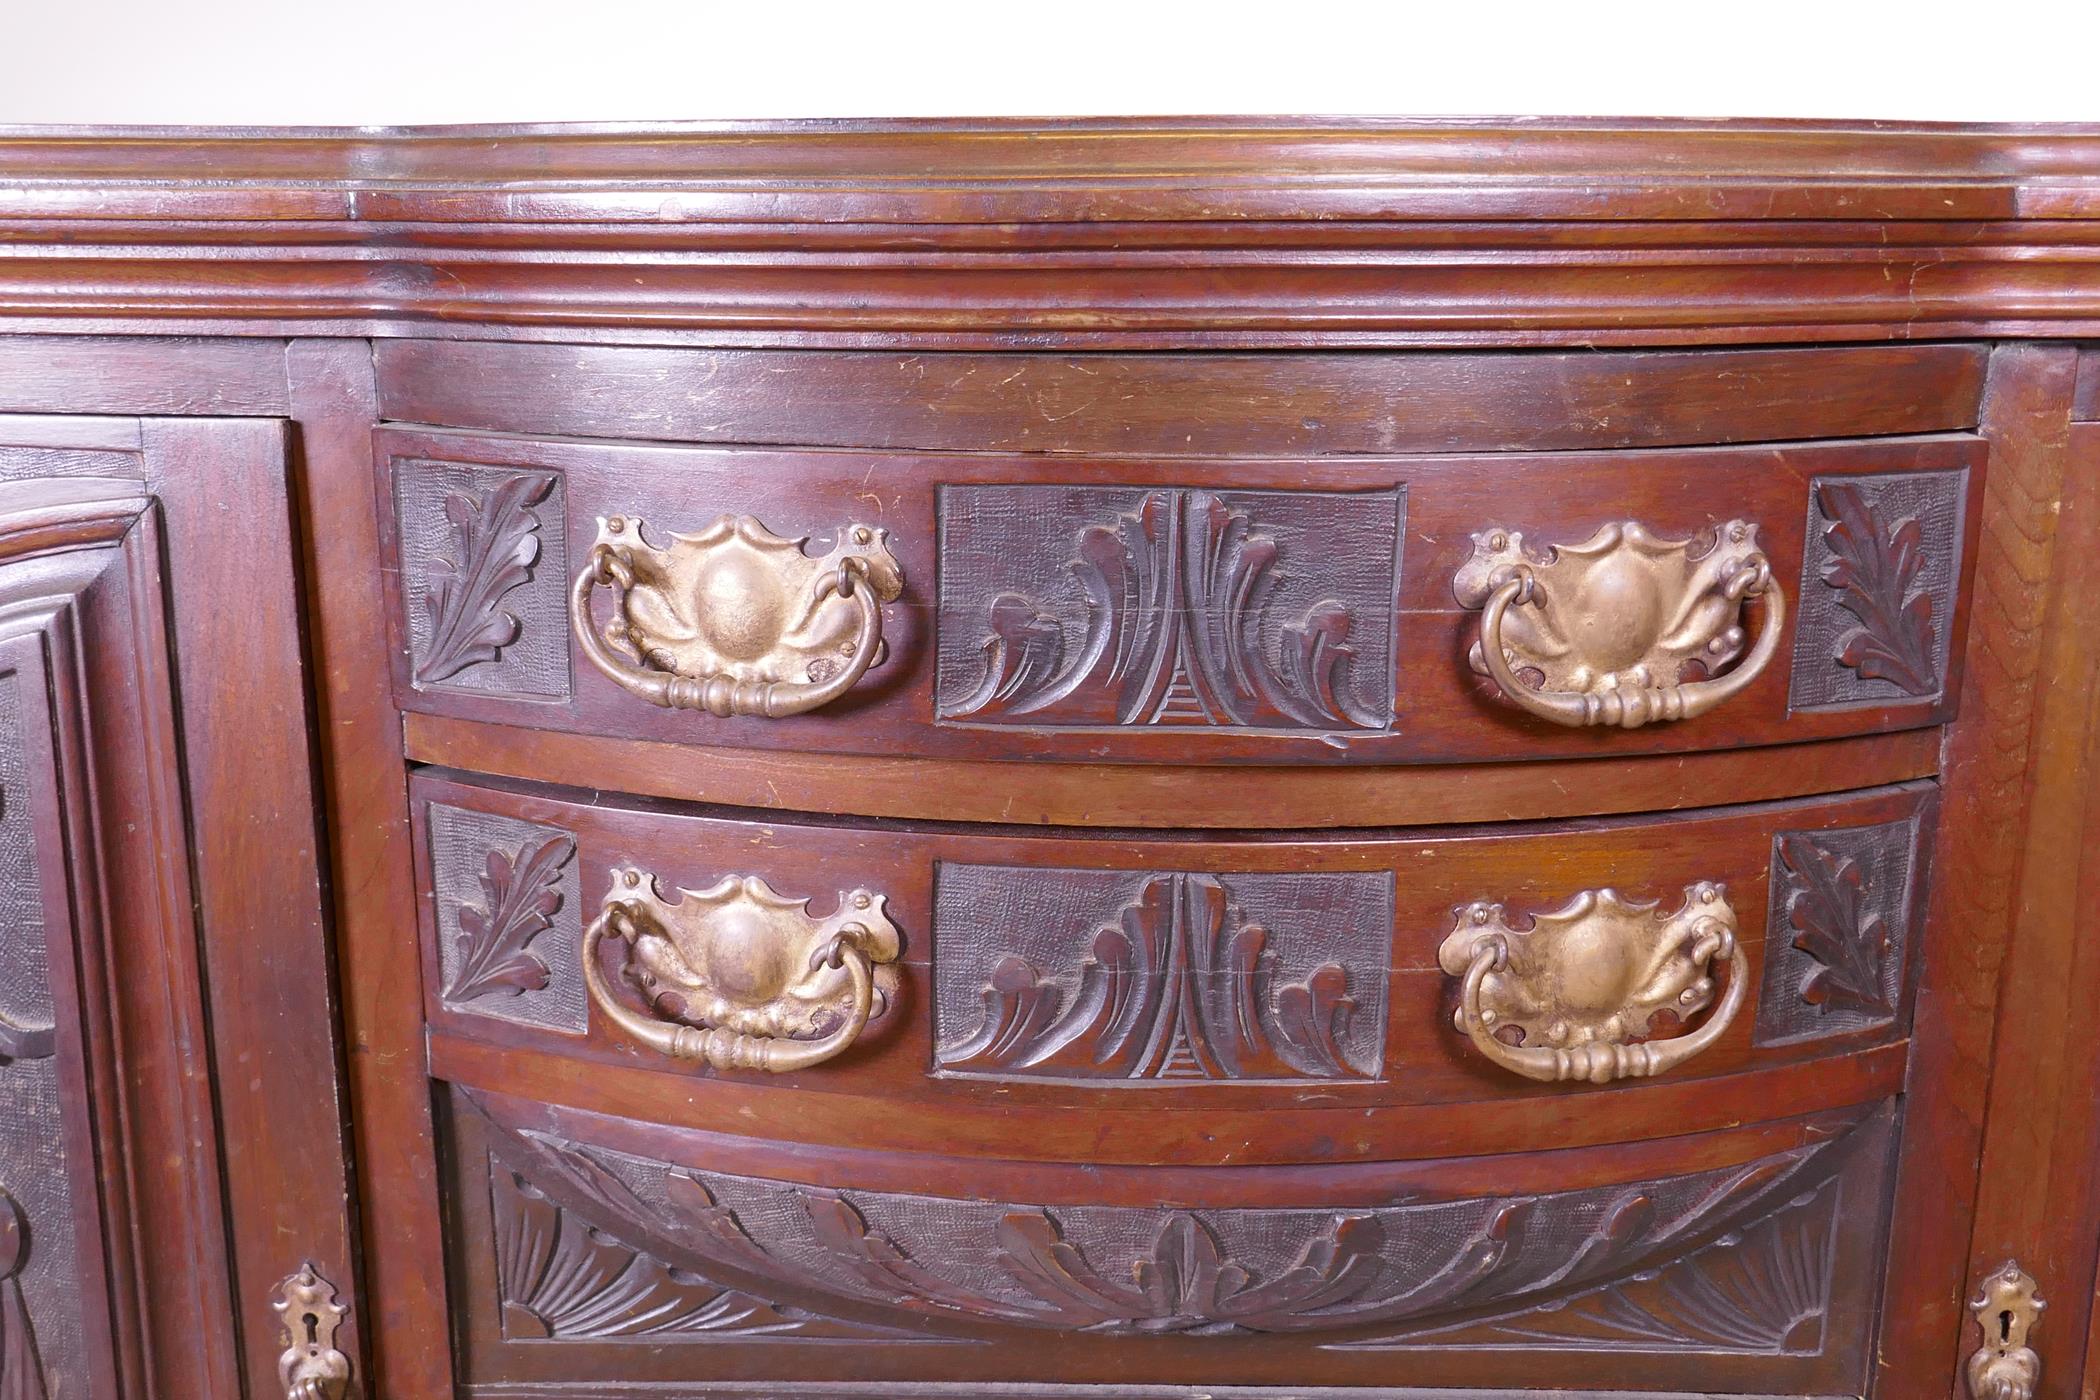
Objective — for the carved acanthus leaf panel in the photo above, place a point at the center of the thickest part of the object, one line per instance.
(1395, 1272)
(1834, 944)
(1881, 563)
(505, 893)
(1174, 606)
(484, 567)
(521, 891)
(1762, 1290)
(557, 1277)
(1160, 976)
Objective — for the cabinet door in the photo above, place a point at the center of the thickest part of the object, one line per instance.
(169, 1125)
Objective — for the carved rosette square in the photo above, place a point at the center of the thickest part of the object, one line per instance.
(1837, 929)
(484, 578)
(1881, 561)
(1091, 607)
(509, 929)
(1160, 976)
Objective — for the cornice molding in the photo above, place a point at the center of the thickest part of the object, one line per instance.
(1082, 233)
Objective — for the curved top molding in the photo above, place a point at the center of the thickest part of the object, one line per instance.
(1113, 233)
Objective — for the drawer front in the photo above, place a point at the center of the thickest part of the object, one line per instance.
(1082, 997)
(961, 606)
(589, 1251)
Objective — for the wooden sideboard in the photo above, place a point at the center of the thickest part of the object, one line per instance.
(1205, 758)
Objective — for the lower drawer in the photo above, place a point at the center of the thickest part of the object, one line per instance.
(590, 1252)
(1199, 1001)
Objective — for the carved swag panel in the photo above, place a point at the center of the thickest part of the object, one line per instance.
(1160, 976)
(1266, 610)
(1881, 562)
(484, 581)
(1731, 1259)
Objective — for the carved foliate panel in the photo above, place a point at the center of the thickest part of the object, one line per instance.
(1881, 564)
(508, 919)
(1160, 976)
(484, 578)
(1731, 1259)
(1763, 1289)
(1077, 607)
(42, 1338)
(1839, 922)
(559, 1277)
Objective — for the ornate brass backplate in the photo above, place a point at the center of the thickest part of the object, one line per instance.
(2005, 1367)
(1603, 632)
(735, 620)
(311, 1368)
(1584, 982)
(739, 975)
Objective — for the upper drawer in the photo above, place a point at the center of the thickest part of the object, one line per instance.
(1182, 610)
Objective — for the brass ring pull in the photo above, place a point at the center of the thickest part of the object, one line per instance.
(1608, 625)
(739, 976)
(735, 620)
(1586, 980)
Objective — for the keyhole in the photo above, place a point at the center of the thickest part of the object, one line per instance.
(313, 1330)
(2005, 1325)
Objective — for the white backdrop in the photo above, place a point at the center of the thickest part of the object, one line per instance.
(371, 62)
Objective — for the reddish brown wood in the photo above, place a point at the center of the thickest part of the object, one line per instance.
(840, 322)
(2041, 1152)
(80, 374)
(1382, 933)
(1085, 794)
(404, 1316)
(1188, 1139)
(1787, 232)
(967, 535)
(121, 869)
(835, 1252)
(1976, 869)
(247, 748)
(1259, 406)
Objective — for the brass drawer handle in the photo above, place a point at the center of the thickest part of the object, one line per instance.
(1587, 978)
(735, 620)
(1608, 625)
(740, 976)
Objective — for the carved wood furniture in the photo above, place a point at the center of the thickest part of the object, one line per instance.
(1091, 760)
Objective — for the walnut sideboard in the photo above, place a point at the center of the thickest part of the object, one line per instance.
(1094, 760)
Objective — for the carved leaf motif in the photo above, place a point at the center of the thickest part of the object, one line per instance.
(495, 543)
(556, 1277)
(1765, 1290)
(1180, 627)
(1877, 571)
(1182, 989)
(1398, 1275)
(1831, 909)
(520, 895)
